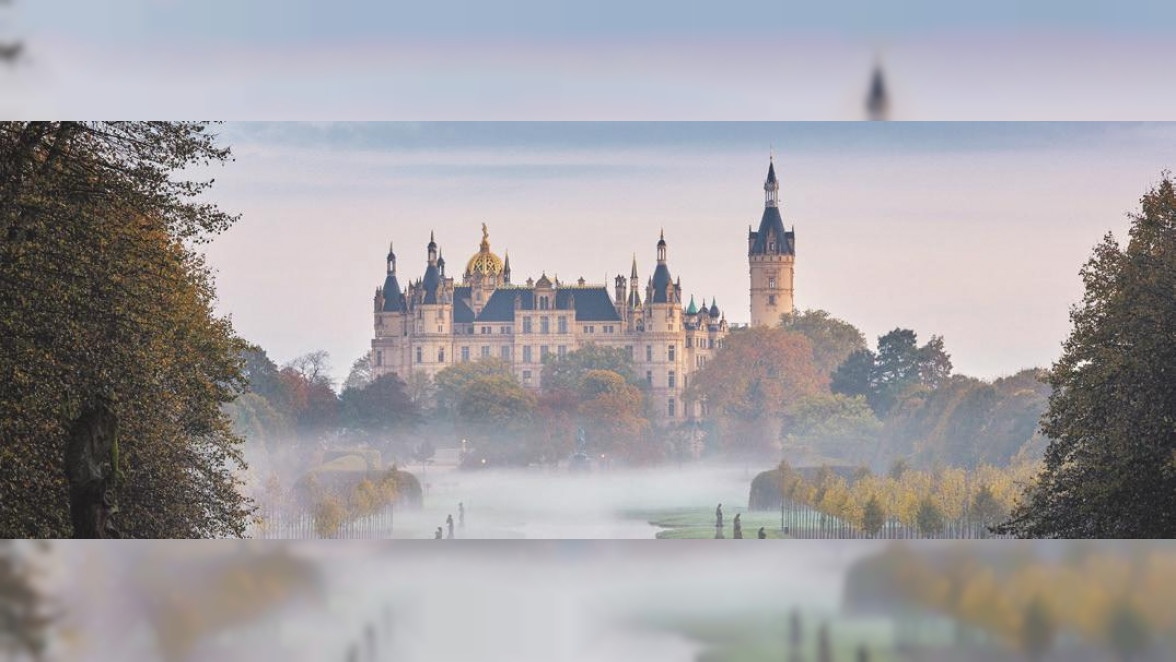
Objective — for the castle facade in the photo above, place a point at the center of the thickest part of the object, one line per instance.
(436, 321)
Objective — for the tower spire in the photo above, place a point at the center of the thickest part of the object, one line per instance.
(633, 275)
(771, 185)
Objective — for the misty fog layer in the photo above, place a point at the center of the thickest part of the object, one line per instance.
(561, 505)
(508, 602)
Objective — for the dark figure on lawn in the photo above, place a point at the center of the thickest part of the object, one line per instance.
(719, 516)
(438, 534)
(449, 523)
(761, 534)
(460, 515)
(738, 528)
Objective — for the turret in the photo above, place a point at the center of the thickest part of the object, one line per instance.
(619, 292)
(391, 299)
(771, 254)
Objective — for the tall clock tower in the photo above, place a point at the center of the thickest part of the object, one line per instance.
(771, 257)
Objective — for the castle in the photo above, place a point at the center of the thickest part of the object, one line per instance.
(435, 321)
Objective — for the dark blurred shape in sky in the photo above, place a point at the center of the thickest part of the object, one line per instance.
(532, 59)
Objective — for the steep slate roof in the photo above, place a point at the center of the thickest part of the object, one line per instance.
(592, 304)
(432, 283)
(661, 280)
(393, 299)
(772, 223)
(462, 313)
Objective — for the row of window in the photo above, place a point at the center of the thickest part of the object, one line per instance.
(504, 353)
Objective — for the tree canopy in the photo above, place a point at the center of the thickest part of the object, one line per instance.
(103, 298)
(832, 339)
(1110, 466)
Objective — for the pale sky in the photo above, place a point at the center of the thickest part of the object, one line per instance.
(973, 231)
(601, 60)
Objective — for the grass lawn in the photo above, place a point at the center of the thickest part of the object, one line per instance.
(762, 637)
(696, 523)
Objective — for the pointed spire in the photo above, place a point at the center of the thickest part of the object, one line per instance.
(692, 309)
(771, 185)
(633, 275)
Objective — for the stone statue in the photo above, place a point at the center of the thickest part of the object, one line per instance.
(91, 467)
(761, 534)
(449, 523)
(438, 534)
(460, 515)
(738, 528)
(719, 516)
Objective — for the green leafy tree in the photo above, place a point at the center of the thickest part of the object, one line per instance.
(873, 517)
(105, 297)
(450, 384)
(566, 372)
(496, 413)
(985, 510)
(855, 374)
(900, 364)
(380, 408)
(832, 339)
(832, 426)
(1109, 469)
(929, 519)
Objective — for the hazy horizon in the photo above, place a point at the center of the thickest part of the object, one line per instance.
(971, 231)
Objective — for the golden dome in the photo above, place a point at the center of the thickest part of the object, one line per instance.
(484, 262)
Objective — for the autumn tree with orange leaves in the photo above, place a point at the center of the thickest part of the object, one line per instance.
(758, 375)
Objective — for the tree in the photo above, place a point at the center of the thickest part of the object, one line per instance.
(853, 377)
(752, 381)
(985, 510)
(832, 340)
(361, 373)
(1109, 466)
(1038, 630)
(103, 296)
(497, 411)
(566, 372)
(873, 517)
(833, 426)
(451, 382)
(613, 410)
(380, 408)
(900, 364)
(929, 519)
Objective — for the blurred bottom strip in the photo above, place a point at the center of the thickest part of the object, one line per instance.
(649, 601)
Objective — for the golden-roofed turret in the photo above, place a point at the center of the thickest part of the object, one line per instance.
(484, 262)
